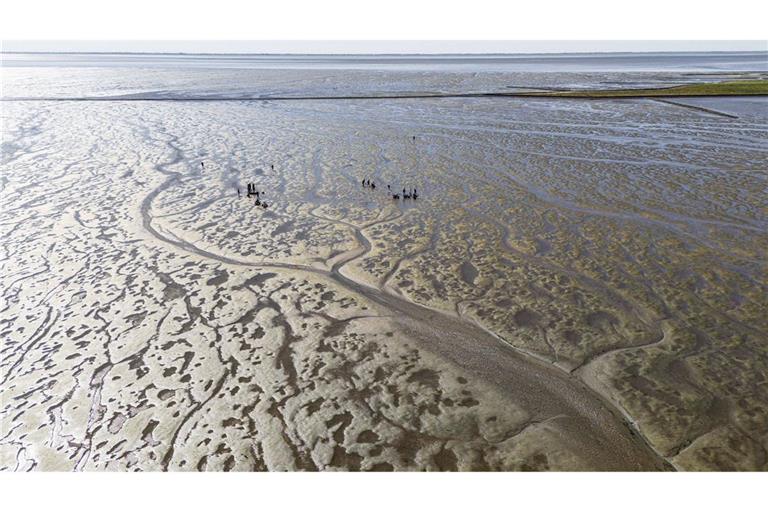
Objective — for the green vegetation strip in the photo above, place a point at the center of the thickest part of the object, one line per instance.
(740, 88)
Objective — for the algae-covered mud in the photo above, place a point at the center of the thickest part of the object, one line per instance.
(580, 285)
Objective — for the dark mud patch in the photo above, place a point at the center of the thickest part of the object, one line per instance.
(527, 318)
(258, 280)
(219, 279)
(468, 272)
(283, 228)
(601, 320)
(426, 377)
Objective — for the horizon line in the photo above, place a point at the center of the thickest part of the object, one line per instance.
(383, 54)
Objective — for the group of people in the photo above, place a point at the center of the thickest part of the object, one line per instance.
(253, 192)
(407, 194)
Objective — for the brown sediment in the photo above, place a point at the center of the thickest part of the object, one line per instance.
(338, 331)
(618, 446)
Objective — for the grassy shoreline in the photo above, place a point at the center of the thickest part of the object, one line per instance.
(713, 89)
(736, 88)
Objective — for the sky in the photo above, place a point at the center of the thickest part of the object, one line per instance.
(393, 46)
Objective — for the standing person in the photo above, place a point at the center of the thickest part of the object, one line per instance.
(202, 165)
(238, 191)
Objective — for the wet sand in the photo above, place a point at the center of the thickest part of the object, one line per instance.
(581, 285)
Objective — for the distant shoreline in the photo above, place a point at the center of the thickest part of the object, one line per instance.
(744, 88)
(413, 55)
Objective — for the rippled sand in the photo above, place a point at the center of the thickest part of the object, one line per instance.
(581, 285)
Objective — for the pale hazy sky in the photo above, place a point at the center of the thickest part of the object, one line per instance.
(380, 46)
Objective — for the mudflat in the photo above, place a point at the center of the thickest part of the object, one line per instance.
(580, 285)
